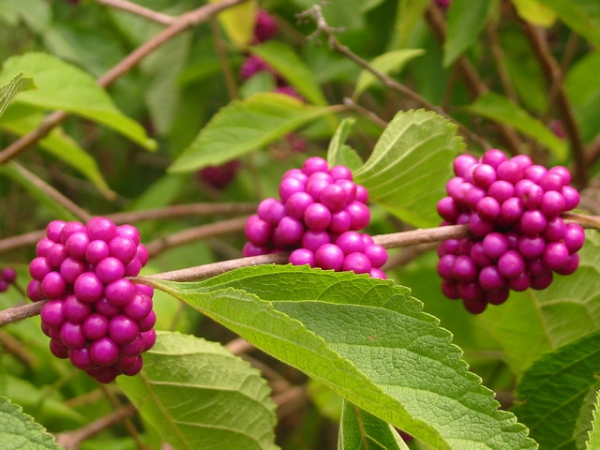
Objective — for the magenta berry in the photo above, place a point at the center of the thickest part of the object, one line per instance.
(513, 208)
(93, 309)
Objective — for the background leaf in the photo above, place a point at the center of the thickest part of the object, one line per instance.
(552, 391)
(390, 62)
(199, 395)
(291, 67)
(17, 84)
(80, 95)
(583, 16)
(244, 126)
(238, 22)
(533, 322)
(535, 12)
(585, 96)
(594, 441)
(330, 325)
(466, 19)
(360, 430)
(338, 141)
(416, 148)
(500, 109)
(19, 431)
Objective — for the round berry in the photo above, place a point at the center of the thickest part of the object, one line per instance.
(88, 287)
(53, 285)
(95, 326)
(574, 237)
(101, 228)
(104, 351)
(318, 217)
(302, 256)
(493, 157)
(119, 292)
(123, 329)
(314, 164)
(329, 256)
(96, 251)
(52, 313)
(122, 248)
(357, 262)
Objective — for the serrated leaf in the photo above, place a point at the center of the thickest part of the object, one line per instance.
(583, 16)
(243, 127)
(535, 12)
(466, 19)
(63, 86)
(533, 322)
(551, 393)
(8, 91)
(501, 109)
(286, 62)
(594, 442)
(360, 430)
(585, 418)
(390, 62)
(19, 431)
(199, 395)
(411, 159)
(339, 140)
(368, 341)
(60, 145)
(13, 171)
(238, 22)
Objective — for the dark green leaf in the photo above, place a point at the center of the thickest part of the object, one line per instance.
(583, 16)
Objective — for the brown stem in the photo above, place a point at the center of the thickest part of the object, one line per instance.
(20, 312)
(139, 10)
(71, 440)
(221, 51)
(179, 25)
(553, 73)
(473, 81)
(16, 348)
(365, 112)
(323, 27)
(196, 233)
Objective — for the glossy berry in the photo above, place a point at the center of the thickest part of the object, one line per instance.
(94, 311)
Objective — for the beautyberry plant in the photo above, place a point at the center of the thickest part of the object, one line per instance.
(94, 315)
(513, 208)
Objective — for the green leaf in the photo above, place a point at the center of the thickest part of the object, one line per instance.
(19, 431)
(533, 322)
(198, 395)
(339, 140)
(243, 127)
(291, 67)
(13, 171)
(501, 109)
(535, 12)
(368, 341)
(60, 145)
(360, 430)
(63, 86)
(552, 391)
(409, 13)
(390, 62)
(585, 96)
(466, 19)
(583, 16)
(594, 441)
(585, 418)
(238, 22)
(407, 171)
(17, 84)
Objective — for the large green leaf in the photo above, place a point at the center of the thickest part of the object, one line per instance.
(368, 341)
(65, 87)
(533, 322)
(581, 15)
(17, 84)
(408, 16)
(594, 441)
(585, 96)
(19, 431)
(410, 164)
(58, 144)
(500, 109)
(534, 11)
(243, 127)
(390, 62)
(295, 71)
(552, 392)
(198, 395)
(466, 19)
(360, 430)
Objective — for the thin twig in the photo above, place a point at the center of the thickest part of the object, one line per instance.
(15, 347)
(129, 425)
(365, 112)
(195, 234)
(323, 27)
(553, 73)
(181, 24)
(239, 346)
(71, 440)
(20, 312)
(139, 10)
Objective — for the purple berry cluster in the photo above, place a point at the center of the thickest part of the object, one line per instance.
(513, 208)
(318, 217)
(8, 276)
(94, 315)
